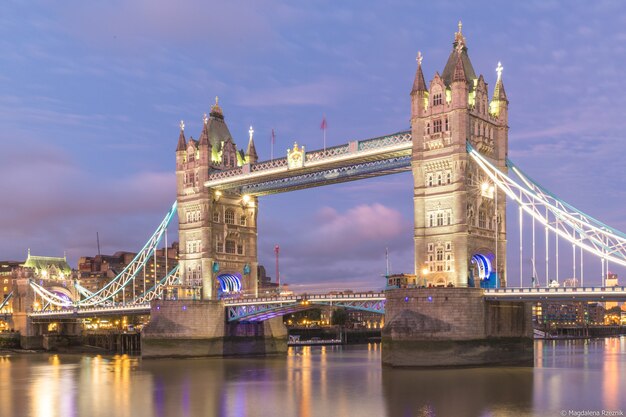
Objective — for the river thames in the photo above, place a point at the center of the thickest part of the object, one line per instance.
(570, 378)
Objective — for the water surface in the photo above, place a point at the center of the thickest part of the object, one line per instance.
(568, 377)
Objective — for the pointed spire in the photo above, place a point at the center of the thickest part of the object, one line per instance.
(204, 135)
(459, 52)
(251, 155)
(419, 84)
(459, 70)
(498, 92)
(182, 143)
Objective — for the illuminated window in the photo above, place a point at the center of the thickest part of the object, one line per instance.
(437, 126)
(229, 216)
(482, 219)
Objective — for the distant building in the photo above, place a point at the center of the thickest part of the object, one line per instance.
(97, 271)
(574, 313)
(6, 276)
(265, 285)
(611, 281)
(48, 267)
(402, 281)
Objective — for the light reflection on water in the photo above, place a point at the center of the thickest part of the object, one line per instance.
(311, 382)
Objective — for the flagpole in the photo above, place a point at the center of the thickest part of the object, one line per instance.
(324, 126)
(272, 145)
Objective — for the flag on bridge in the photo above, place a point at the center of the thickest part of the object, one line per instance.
(272, 142)
(323, 126)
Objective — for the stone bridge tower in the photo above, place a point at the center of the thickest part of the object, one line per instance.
(217, 230)
(460, 225)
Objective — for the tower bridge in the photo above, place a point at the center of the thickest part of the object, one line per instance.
(457, 151)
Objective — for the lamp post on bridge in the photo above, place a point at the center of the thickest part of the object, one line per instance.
(277, 252)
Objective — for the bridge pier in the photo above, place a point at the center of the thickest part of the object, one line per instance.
(449, 327)
(199, 328)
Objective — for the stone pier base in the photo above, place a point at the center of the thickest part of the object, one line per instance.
(447, 327)
(187, 328)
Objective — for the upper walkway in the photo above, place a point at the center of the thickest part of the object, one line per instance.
(348, 162)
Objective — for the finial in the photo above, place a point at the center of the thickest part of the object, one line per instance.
(216, 100)
(459, 39)
(182, 125)
(29, 252)
(251, 131)
(205, 119)
(499, 69)
(419, 58)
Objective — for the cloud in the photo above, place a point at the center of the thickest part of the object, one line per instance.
(321, 92)
(52, 203)
(340, 247)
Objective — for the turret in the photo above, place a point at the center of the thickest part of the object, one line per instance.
(204, 144)
(181, 147)
(499, 103)
(182, 143)
(251, 156)
(419, 93)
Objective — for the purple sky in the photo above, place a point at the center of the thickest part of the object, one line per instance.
(91, 94)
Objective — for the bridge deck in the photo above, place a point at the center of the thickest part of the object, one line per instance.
(351, 161)
(259, 308)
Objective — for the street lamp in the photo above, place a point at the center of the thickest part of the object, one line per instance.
(424, 273)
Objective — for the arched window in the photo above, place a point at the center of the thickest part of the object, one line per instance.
(428, 128)
(439, 180)
(449, 177)
(482, 219)
(440, 254)
(243, 220)
(229, 216)
(429, 180)
(447, 128)
(440, 219)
